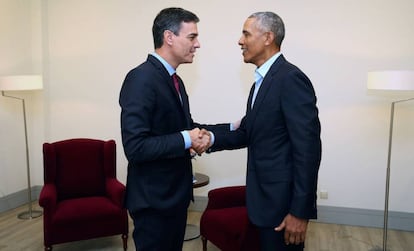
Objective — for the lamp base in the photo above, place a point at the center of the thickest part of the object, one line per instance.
(191, 232)
(28, 216)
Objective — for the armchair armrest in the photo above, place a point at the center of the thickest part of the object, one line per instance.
(48, 197)
(233, 196)
(115, 191)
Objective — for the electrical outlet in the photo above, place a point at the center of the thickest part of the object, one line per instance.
(323, 194)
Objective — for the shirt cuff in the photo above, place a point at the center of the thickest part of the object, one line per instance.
(187, 139)
(212, 138)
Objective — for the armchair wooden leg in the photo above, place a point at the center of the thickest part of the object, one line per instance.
(204, 240)
(125, 241)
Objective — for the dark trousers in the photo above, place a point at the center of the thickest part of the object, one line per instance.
(270, 240)
(155, 231)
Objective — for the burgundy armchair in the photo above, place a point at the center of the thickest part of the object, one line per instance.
(225, 222)
(81, 197)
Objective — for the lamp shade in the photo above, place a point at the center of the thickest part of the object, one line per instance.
(21, 82)
(391, 80)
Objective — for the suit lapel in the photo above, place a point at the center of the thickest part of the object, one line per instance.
(249, 100)
(263, 91)
(168, 79)
(183, 107)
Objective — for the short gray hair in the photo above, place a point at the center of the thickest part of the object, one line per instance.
(269, 21)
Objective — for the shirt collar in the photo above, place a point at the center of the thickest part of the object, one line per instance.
(261, 72)
(167, 66)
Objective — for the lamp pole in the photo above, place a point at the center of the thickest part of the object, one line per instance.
(31, 213)
(387, 179)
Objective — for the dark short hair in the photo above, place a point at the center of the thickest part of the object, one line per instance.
(170, 19)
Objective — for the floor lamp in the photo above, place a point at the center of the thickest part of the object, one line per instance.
(23, 83)
(390, 81)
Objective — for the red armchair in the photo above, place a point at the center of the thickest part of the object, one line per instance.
(81, 197)
(225, 222)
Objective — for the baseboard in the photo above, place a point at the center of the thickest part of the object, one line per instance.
(365, 217)
(345, 216)
(18, 199)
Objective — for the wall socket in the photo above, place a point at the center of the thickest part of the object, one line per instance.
(323, 194)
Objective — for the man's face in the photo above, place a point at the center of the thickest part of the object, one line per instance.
(186, 43)
(252, 43)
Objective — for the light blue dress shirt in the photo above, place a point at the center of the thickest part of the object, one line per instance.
(260, 73)
(167, 66)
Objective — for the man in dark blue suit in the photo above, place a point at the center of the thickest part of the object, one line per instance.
(158, 134)
(281, 130)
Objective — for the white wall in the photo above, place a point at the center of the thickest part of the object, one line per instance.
(20, 50)
(89, 46)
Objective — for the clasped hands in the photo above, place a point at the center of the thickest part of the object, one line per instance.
(200, 141)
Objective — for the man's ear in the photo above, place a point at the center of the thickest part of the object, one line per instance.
(168, 37)
(270, 37)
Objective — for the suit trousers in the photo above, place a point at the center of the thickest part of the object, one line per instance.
(157, 231)
(270, 240)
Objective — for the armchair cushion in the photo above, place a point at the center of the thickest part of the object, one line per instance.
(87, 209)
(231, 221)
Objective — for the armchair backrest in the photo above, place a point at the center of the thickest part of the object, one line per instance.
(79, 167)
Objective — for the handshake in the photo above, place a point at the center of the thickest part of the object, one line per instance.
(200, 141)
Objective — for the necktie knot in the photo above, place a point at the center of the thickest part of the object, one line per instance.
(176, 83)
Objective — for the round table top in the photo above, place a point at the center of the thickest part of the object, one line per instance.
(201, 180)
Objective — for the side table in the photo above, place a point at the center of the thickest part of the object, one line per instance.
(192, 231)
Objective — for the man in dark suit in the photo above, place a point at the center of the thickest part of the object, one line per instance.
(281, 130)
(158, 134)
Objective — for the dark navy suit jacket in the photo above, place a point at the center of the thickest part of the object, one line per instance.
(282, 134)
(159, 168)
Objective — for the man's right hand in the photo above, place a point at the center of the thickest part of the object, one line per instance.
(200, 140)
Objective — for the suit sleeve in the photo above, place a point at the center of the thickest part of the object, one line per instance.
(302, 122)
(229, 140)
